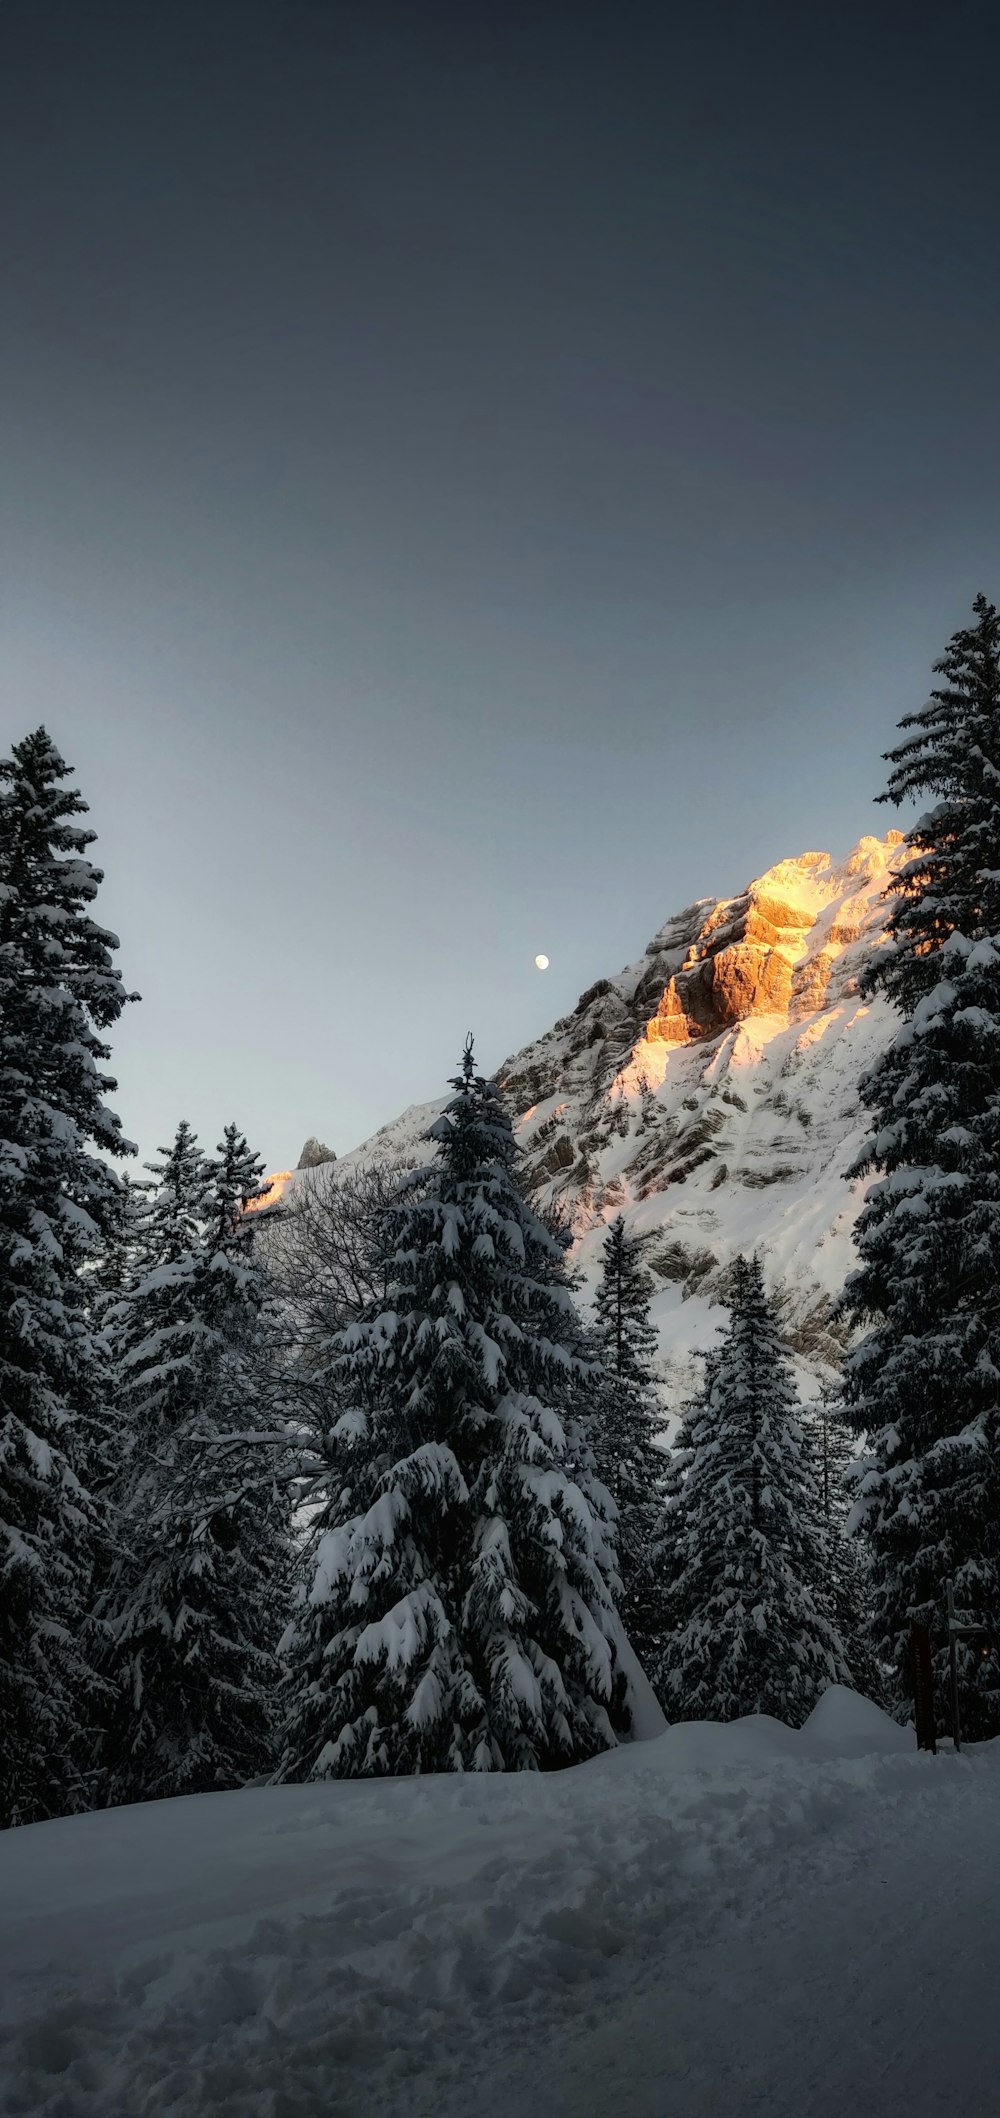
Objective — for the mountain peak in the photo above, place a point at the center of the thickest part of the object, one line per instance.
(709, 1092)
(314, 1154)
(773, 949)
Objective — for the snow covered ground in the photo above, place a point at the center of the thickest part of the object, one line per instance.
(719, 1921)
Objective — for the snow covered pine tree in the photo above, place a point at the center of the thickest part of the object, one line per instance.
(621, 1305)
(460, 1616)
(923, 1384)
(193, 1607)
(243, 1467)
(750, 1628)
(58, 1203)
(630, 1463)
(847, 1558)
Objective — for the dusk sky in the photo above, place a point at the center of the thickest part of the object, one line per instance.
(474, 479)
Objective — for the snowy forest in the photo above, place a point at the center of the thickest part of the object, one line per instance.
(360, 1483)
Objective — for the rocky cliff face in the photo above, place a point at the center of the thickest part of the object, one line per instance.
(710, 1093)
(314, 1154)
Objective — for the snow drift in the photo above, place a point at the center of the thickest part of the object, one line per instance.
(507, 1944)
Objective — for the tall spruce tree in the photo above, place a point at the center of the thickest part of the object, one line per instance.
(923, 1383)
(247, 1460)
(193, 1607)
(751, 1628)
(102, 1442)
(59, 1203)
(461, 1615)
(846, 1563)
(621, 1306)
(628, 1417)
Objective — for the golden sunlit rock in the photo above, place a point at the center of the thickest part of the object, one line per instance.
(274, 1186)
(757, 954)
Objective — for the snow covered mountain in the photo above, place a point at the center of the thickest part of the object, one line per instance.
(709, 1091)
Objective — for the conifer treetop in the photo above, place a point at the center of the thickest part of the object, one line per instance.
(44, 866)
(949, 886)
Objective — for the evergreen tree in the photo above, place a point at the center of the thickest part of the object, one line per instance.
(846, 1568)
(461, 1615)
(922, 1384)
(101, 1440)
(631, 1465)
(750, 1625)
(621, 1306)
(249, 1467)
(194, 1602)
(248, 1398)
(592, 1413)
(59, 1202)
(834, 1456)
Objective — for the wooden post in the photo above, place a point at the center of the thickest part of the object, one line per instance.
(923, 1685)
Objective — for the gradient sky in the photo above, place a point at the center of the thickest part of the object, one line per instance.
(474, 478)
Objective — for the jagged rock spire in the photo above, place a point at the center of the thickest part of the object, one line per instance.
(314, 1154)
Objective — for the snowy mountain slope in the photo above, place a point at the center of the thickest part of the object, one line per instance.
(722, 1922)
(709, 1092)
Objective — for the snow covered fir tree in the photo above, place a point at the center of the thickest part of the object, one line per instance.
(462, 1614)
(628, 1419)
(846, 1560)
(751, 1629)
(193, 1608)
(59, 1202)
(621, 1306)
(922, 1384)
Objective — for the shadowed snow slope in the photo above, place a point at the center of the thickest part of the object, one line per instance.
(723, 1920)
(709, 1092)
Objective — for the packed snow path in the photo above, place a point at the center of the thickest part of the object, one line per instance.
(724, 1921)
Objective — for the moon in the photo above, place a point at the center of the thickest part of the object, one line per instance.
(541, 963)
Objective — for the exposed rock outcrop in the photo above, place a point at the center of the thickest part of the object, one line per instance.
(314, 1154)
(759, 954)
